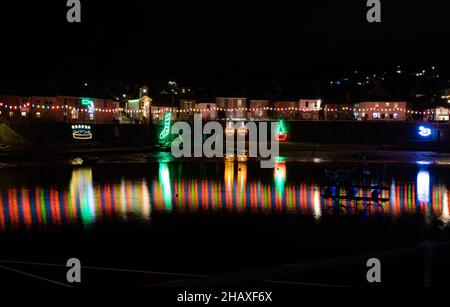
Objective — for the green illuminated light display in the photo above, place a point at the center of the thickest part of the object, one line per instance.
(89, 103)
(166, 130)
(281, 134)
(281, 127)
(86, 102)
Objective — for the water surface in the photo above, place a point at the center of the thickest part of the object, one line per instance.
(212, 217)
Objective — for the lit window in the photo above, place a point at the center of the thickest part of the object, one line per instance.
(24, 114)
(395, 105)
(395, 116)
(387, 104)
(74, 114)
(376, 115)
(38, 114)
(11, 114)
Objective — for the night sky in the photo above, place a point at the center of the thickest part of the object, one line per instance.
(215, 43)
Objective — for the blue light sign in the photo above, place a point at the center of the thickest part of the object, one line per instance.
(424, 131)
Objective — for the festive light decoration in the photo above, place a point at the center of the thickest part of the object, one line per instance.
(281, 133)
(424, 132)
(166, 130)
(90, 105)
(81, 132)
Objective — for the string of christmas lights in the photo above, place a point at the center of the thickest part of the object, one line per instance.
(52, 108)
(161, 110)
(164, 110)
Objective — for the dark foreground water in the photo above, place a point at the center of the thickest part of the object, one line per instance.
(208, 218)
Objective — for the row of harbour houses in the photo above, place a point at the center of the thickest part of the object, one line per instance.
(67, 109)
(241, 108)
(144, 109)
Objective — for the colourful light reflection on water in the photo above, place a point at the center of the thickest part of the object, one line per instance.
(85, 201)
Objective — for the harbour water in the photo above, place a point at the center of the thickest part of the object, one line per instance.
(211, 217)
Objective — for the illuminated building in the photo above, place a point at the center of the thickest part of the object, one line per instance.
(337, 111)
(232, 108)
(378, 105)
(138, 110)
(258, 109)
(439, 113)
(381, 111)
(187, 109)
(310, 108)
(207, 110)
(162, 104)
(287, 109)
(59, 109)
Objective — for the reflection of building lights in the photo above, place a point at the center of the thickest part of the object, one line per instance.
(164, 179)
(280, 159)
(242, 131)
(424, 162)
(280, 176)
(445, 209)
(424, 131)
(146, 206)
(242, 157)
(423, 186)
(392, 192)
(82, 190)
(317, 204)
(242, 176)
(229, 175)
(229, 131)
(229, 156)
